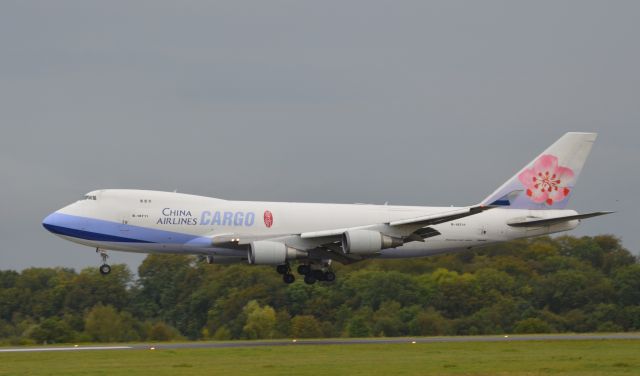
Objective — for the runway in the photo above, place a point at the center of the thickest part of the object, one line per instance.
(74, 348)
(320, 342)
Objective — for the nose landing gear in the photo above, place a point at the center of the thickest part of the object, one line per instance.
(104, 268)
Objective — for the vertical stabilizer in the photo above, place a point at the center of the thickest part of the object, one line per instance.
(549, 180)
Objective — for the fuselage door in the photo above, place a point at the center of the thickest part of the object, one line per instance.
(125, 223)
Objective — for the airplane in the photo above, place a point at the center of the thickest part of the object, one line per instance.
(531, 203)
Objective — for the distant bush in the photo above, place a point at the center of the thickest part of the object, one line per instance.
(161, 331)
(532, 325)
(305, 326)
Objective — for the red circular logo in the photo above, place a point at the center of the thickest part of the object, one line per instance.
(268, 218)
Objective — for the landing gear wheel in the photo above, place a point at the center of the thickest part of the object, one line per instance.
(309, 279)
(329, 276)
(288, 278)
(304, 269)
(282, 269)
(318, 274)
(105, 269)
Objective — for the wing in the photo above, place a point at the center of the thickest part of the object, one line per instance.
(327, 244)
(403, 227)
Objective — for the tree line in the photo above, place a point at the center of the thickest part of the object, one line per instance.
(542, 285)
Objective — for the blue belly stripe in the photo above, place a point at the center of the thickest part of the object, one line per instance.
(101, 230)
(88, 235)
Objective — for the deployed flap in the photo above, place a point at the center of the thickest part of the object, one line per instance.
(536, 222)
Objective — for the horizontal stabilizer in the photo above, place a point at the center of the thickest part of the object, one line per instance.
(537, 222)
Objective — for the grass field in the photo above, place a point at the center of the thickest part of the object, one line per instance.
(599, 357)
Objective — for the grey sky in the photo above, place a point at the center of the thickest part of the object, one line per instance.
(414, 102)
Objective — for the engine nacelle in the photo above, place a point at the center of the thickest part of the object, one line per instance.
(367, 242)
(223, 260)
(266, 252)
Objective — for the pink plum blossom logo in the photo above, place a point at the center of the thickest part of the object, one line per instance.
(268, 218)
(546, 181)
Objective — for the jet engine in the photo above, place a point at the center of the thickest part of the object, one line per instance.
(266, 252)
(221, 259)
(367, 242)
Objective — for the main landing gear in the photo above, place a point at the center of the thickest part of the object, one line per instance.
(311, 275)
(285, 270)
(311, 272)
(104, 268)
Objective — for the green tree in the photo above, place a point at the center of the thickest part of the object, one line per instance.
(627, 284)
(358, 327)
(222, 334)
(615, 256)
(6, 329)
(161, 331)
(305, 326)
(532, 325)
(106, 324)
(578, 321)
(89, 288)
(283, 323)
(430, 323)
(387, 321)
(458, 294)
(167, 290)
(13, 301)
(371, 288)
(41, 291)
(630, 318)
(261, 321)
(52, 330)
(584, 248)
(570, 289)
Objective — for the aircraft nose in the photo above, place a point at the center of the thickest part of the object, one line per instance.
(51, 222)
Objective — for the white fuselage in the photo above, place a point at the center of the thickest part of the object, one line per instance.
(167, 222)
